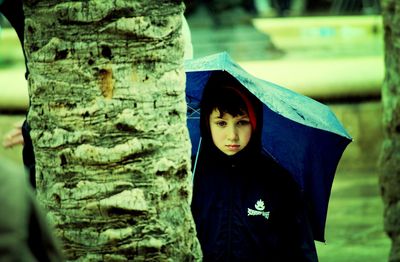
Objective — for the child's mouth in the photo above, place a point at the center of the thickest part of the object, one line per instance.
(233, 147)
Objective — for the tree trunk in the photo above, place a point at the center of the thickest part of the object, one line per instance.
(390, 157)
(108, 118)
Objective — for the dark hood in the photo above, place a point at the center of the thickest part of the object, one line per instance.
(217, 79)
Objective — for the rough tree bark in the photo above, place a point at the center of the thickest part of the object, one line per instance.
(390, 157)
(108, 118)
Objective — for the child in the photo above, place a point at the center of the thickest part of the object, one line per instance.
(245, 206)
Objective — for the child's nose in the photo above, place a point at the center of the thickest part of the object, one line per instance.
(232, 133)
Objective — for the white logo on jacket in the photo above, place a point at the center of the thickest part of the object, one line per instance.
(259, 210)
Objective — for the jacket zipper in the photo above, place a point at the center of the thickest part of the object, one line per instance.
(230, 213)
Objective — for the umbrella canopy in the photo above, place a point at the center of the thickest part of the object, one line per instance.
(299, 133)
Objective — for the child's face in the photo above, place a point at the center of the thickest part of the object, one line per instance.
(230, 134)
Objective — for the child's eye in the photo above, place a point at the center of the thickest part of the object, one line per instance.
(243, 122)
(221, 123)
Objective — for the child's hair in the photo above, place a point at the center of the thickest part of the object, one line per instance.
(225, 93)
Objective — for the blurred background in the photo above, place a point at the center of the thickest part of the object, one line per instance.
(330, 50)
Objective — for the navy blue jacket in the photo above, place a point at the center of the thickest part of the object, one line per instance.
(247, 208)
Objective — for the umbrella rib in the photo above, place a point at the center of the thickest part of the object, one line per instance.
(195, 113)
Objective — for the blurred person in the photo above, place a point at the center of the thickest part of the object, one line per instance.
(264, 8)
(14, 137)
(25, 234)
(271, 8)
(13, 11)
(228, 23)
(225, 13)
(289, 7)
(282, 7)
(367, 7)
(298, 7)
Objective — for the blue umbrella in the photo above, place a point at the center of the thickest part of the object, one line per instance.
(301, 134)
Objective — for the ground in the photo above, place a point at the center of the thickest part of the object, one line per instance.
(354, 230)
